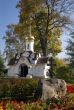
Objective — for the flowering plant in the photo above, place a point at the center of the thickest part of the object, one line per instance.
(60, 103)
(70, 89)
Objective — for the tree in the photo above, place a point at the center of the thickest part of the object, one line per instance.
(54, 44)
(59, 63)
(45, 16)
(2, 67)
(70, 50)
(61, 69)
(14, 43)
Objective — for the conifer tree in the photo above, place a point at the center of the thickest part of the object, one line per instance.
(70, 49)
(2, 67)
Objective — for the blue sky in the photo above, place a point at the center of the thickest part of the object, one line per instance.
(9, 15)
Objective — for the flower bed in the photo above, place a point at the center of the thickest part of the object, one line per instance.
(70, 88)
(63, 103)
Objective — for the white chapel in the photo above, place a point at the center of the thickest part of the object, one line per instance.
(28, 63)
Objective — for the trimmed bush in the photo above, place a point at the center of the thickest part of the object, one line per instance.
(66, 74)
(19, 88)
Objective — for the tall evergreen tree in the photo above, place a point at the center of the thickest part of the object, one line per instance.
(2, 67)
(70, 49)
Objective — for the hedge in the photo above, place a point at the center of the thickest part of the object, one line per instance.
(19, 88)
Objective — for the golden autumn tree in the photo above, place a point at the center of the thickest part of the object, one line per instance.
(44, 16)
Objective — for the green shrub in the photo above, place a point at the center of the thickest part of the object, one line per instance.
(66, 74)
(18, 88)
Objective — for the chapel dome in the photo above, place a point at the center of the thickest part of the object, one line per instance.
(30, 38)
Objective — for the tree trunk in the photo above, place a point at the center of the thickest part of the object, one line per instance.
(43, 43)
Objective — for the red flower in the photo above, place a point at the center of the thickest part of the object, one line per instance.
(70, 89)
(62, 97)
